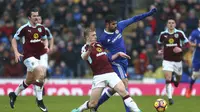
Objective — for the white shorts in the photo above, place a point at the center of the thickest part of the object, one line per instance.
(173, 66)
(31, 63)
(44, 60)
(107, 79)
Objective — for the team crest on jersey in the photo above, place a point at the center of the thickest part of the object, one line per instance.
(176, 35)
(99, 49)
(35, 35)
(171, 40)
(39, 29)
(117, 31)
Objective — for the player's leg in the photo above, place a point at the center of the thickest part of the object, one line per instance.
(121, 72)
(98, 84)
(30, 63)
(194, 76)
(25, 83)
(41, 74)
(168, 68)
(168, 75)
(177, 73)
(94, 98)
(119, 87)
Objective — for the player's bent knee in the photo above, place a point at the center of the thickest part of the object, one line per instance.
(93, 104)
(39, 82)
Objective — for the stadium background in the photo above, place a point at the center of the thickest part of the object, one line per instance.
(67, 18)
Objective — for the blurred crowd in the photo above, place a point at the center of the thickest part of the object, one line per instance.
(67, 18)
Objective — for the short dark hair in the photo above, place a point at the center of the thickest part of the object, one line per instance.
(171, 18)
(110, 18)
(32, 10)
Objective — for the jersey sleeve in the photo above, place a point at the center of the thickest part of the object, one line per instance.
(48, 33)
(83, 51)
(20, 33)
(44, 36)
(124, 23)
(184, 38)
(160, 39)
(192, 37)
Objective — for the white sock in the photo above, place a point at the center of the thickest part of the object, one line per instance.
(38, 92)
(131, 104)
(20, 88)
(169, 90)
(83, 107)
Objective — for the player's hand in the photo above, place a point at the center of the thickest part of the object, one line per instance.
(153, 10)
(91, 46)
(17, 57)
(160, 52)
(121, 54)
(177, 50)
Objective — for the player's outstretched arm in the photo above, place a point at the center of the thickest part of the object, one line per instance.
(85, 55)
(51, 43)
(16, 52)
(124, 23)
(120, 54)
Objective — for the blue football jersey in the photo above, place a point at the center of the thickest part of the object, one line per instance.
(195, 38)
(113, 41)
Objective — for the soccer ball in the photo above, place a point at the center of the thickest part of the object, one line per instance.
(160, 105)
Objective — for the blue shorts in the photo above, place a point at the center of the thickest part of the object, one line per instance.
(120, 70)
(196, 67)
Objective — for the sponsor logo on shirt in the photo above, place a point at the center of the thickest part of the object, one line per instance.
(117, 37)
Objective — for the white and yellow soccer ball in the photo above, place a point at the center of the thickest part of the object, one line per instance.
(160, 105)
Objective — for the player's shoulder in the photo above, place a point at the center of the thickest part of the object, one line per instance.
(102, 37)
(24, 26)
(179, 31)
(41, 26)
(163, 33)
(46, 28)
(195, 31)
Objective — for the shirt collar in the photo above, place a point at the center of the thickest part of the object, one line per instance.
(108, 32)
(29, 24)
(175, 30)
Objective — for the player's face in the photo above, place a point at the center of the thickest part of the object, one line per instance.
(92, 37)
(171, 24)
(112, 26)
(34, 17)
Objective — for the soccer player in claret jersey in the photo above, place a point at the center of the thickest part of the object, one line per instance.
(104, 75)
(112, 40)
(172, 40)
(35, 45)
(194, 42)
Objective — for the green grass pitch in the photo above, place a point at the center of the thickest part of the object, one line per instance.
(114, 104)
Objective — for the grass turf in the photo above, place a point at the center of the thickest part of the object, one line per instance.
(67, 103)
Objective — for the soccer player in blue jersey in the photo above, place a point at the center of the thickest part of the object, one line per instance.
(112, 40)
(194, 42)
